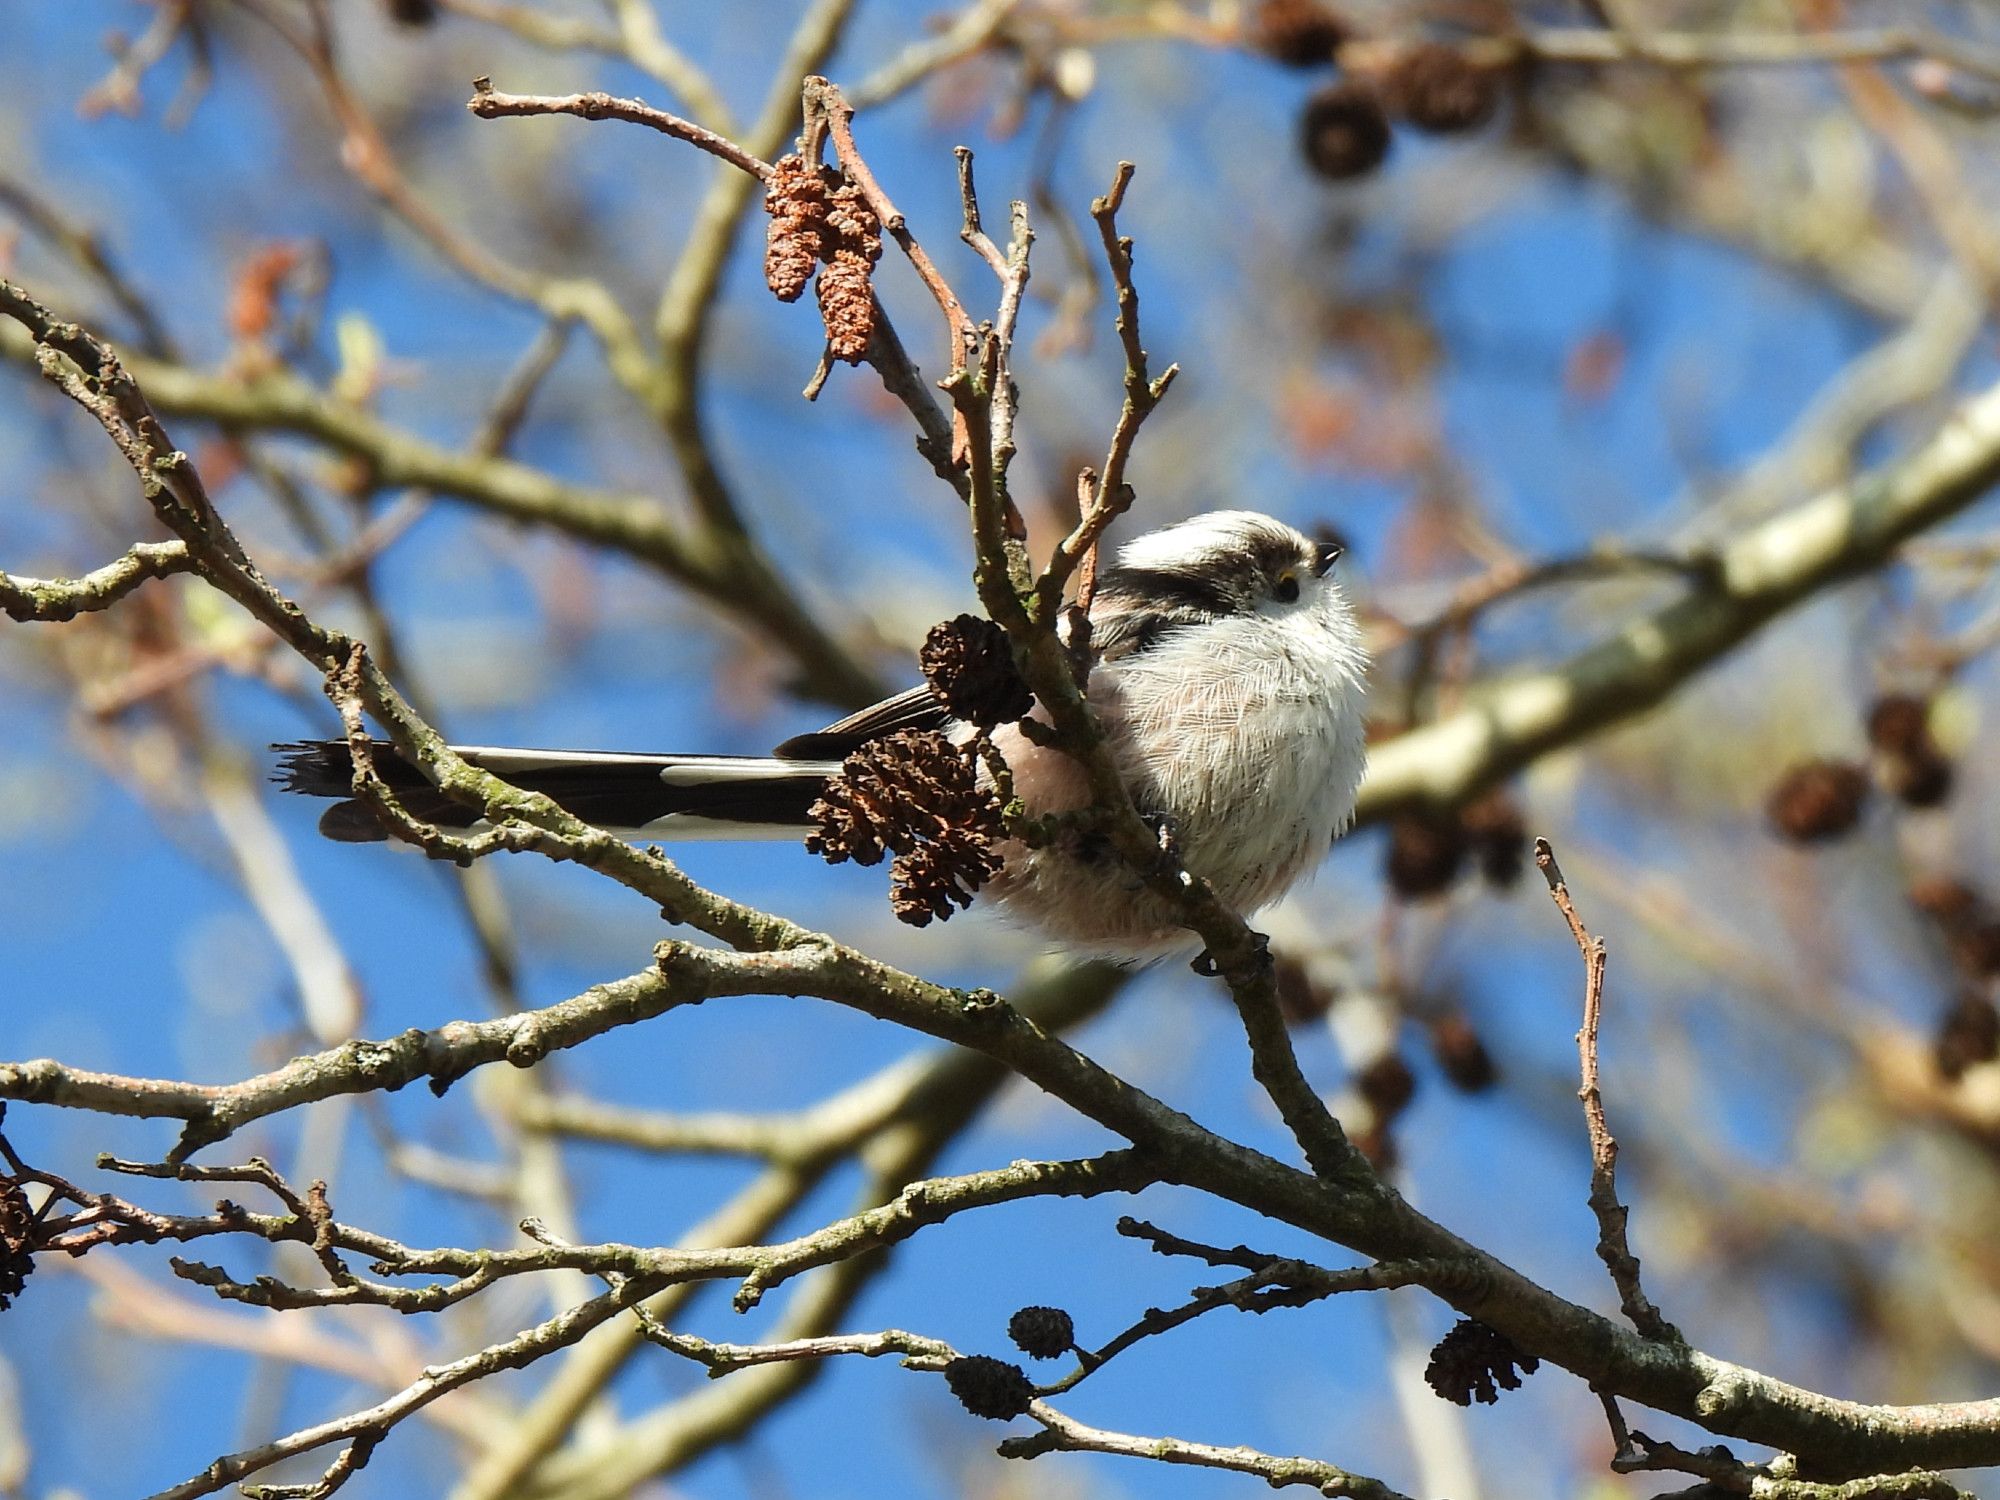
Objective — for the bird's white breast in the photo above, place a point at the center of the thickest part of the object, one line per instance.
(1247, 732)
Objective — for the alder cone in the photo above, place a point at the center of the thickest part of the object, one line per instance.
(1968, 1034)
(1976, 946)
(1426, 852)
(1817, 800)
(970, 666)
(1499, 837)
(1899, 724)
(1921, 780)
(1344, 131)
(1436, 89)
(17, 1227)
(1042, 1332)
(917, 796)
(1461, 1055)
(1472, 1360)
(1297, 33)
(989, 1387)
(1299, 999)
(1387, 1084)
(1945, 900)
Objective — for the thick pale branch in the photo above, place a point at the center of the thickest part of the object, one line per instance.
(213, 1112)
(1841, 534)
(1723, 49)
(966, 34)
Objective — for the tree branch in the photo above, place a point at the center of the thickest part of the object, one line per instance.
(1612, 1246)
(1842, 534)
(52, 600)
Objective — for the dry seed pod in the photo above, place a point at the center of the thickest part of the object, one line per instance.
(1899, 724)
(1344, 132)
(1817, 800)
(1435, 88)
(917, 796)
(1042, 1332)
(1426, 851)
(1297, 33)
(1922, 780)
(1461, 1055)
(1968, 1034)
(1499, 837)
(1470, 1361)
(970, 666)
(17, 1225)
(1300, 1000)
(989, 1387)
(1388, 1085)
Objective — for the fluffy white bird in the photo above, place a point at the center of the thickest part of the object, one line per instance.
(1229, 678)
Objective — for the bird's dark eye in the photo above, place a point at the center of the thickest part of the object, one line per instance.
(1287, 591)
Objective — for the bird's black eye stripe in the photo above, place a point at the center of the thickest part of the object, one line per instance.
(1170, 591)
(1326, 554)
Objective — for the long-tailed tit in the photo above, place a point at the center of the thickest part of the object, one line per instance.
(1228, 677)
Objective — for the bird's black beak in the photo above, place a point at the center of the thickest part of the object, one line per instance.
(1329, 553)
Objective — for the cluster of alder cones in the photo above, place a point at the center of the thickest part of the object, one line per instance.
(1347, 127)
(1821, 800)
(1430, 848)
(915, 795)
(820, 223)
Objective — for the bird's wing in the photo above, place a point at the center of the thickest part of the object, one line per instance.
(918, 708)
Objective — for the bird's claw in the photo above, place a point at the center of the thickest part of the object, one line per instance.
(1208, 966)
(1166, 833)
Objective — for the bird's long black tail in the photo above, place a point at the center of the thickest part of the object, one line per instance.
(660, 796)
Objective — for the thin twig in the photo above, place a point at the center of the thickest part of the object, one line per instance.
(825, 105)
(490, 103)
(1059, 1433)
(1108, 496)
(974, 233)
(1064, 1434)
(1612, 1246)
(1280, 1283)
(58, 599)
